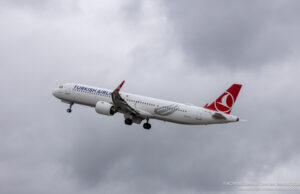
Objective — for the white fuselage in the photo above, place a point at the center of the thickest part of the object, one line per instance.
(152, 107)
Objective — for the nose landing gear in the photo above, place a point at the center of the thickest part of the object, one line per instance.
(69, 110)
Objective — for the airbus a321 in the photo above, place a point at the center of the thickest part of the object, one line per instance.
(137, 108)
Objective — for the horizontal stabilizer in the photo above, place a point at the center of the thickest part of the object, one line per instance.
(218, 115)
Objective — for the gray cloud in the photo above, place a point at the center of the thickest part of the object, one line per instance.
(236, 34)
(45, 150)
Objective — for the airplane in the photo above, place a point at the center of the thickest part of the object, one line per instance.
(137, 108)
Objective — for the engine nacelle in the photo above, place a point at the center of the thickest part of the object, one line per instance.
(104, 108)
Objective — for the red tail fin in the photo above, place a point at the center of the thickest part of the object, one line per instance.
(226, 101)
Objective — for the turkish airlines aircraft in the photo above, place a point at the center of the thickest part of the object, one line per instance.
(137, 108)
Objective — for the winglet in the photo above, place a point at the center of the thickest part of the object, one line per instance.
(120, 86)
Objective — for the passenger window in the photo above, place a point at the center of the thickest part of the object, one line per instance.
(61, 86)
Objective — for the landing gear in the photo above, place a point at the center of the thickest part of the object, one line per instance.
(128, 121)
(69, 110)
(147, 125)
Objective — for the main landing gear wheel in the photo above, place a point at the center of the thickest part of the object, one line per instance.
(128, 121)
(147, 126)
(69, 110)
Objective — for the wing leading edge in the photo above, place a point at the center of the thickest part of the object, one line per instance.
(121, 105)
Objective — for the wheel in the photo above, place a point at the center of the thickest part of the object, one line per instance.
(128, 121)
(147, 126)
(69, 110)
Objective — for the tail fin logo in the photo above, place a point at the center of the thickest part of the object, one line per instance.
(225, 102)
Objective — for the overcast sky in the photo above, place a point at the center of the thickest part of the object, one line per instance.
(185, 51)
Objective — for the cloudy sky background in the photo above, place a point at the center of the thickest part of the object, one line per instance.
(185, 51)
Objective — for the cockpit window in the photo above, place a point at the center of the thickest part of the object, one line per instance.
(61, 86)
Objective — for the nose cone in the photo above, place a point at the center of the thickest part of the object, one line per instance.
(54, 92)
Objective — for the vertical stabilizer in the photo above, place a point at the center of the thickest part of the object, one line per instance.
(225, 102)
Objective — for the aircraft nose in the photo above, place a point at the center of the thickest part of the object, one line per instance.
(54, 92)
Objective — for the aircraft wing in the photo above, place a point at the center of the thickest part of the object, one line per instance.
(121, 105)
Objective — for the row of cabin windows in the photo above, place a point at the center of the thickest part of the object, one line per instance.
(135, 101)
(141, 102)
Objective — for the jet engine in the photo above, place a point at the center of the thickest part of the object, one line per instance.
(105, 108)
